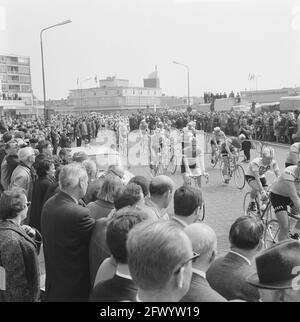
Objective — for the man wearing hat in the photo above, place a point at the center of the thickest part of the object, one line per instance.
(278, 273)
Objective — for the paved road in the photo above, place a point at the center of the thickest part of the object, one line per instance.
(224, 203)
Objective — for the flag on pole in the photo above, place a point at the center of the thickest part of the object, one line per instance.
(251, 76)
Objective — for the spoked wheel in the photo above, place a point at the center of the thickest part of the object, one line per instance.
(239, 177)
(203, 211)
(173, 164)
(153, 169)
(223, 178)
(247, 211)
(271, 233)
(215, 160)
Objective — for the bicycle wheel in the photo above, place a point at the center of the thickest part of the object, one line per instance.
(239, 177)
(246, 202)
(153, 169)
(271, 233)
(222, 165)
(247, 211)
(173, 164)
(216, 160)
(203, 211)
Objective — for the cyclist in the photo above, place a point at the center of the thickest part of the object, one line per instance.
(123, 132)
(143, 127)
(292, 156)
(285, 192)
(192, 161)
(157, 144)
(218, 137)
(144, 131)
(229, 149)
(255, 175)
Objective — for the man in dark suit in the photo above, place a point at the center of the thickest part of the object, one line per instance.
(120, 287)
(187, 206)
(66, 230)
(204, 242)
(228, 275)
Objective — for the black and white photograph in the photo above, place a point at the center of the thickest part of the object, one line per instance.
(149, 153)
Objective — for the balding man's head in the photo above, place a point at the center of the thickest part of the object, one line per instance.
(160, 184)
(204, 241)
(161, 188)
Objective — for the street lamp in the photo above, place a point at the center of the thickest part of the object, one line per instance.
(42, 54)
(188, 74)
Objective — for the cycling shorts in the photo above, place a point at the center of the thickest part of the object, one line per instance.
(280, 203)
(183, 168)
(212, 142)
(224, 151)
(288, 164)
(251, 178)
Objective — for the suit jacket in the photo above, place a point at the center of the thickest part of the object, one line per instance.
(116, 289)
(66, 230)
(40, 188)
(23, 177)
(19, 258)
(98, 250)
(227, 275)
(200, 291)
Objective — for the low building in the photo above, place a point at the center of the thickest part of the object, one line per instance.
(114, 95)
(268, 96)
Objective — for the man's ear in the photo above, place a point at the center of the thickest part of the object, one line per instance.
(180, 277)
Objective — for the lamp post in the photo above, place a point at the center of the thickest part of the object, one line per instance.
(188, 80)
(42, 55)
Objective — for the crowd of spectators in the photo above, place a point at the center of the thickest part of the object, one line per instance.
(210, 97)
(107, 239)
(10, 96)
(265, 126)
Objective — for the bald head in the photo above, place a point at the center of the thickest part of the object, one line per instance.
(160, 185)
(203, 238)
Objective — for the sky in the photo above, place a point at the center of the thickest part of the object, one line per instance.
(221, 41)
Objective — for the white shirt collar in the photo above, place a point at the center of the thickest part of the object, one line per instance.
(198, 272)
(128, 277)
(240, 255)
(180, 221)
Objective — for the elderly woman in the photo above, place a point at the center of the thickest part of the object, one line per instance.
(105, 203)
(19, 246)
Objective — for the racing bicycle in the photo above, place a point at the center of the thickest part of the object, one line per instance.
(234, 170)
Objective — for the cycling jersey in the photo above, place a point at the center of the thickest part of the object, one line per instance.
(291, 174)
(191, 156)
(218, 136)
(227, 141)
(279, 196)
(257, 166)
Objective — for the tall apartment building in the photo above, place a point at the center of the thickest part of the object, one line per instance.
(15, 79)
